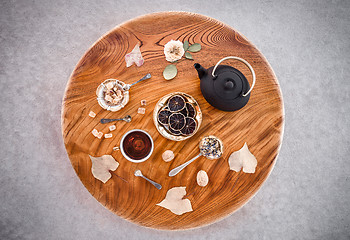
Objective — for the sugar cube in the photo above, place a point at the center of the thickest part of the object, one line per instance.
(141, 110)
(112, 128)
(92, 114)
(108, 135)
(100, 135)
(95, 132)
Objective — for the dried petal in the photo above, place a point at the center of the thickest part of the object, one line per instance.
(141, 110)
(108, 135)
(243, 158)
(202, 178)
(134, 57)
(101, 166)
(112, 128)
(174, 202)
(168, 155)
(92, 114)
(94, 132)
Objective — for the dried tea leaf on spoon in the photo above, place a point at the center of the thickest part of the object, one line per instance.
(174, 202)
(243, 158)
(101, 166)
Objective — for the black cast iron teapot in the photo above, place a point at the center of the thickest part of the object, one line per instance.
(225, 87)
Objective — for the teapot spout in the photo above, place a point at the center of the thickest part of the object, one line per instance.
(201, 70)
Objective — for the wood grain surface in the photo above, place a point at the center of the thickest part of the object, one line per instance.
(260, 123)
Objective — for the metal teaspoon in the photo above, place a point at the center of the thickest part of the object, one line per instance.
(128, 86)
(127, 118)
(138, 173)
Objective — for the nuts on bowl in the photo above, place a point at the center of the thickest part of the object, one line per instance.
(111, 95)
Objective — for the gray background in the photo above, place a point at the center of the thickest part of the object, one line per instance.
(307, 44)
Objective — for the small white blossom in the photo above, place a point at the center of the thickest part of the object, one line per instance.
(173, 50)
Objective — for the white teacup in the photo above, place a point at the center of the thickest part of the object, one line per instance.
(136, 145)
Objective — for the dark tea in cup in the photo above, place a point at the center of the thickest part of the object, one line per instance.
(136, 145)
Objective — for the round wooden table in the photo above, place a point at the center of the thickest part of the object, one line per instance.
(260, 123)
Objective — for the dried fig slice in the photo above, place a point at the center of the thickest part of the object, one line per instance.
(190, 126)
(174, 132)
(176, 121)
(176, 103)
(191, 110)
(184, 112)
(163, 116)
(171, 131)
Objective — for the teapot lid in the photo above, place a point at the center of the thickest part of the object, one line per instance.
(230, 79)
(229, 83)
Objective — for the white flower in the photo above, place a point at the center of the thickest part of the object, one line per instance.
(173, 50)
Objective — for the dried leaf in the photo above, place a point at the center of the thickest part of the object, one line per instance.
(170, 72)
(196, 47)
(188, 55)
(174, 202)
(186, 45)
(101, 166)
(243, 158)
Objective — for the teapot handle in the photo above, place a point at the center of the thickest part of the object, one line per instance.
(243, 61)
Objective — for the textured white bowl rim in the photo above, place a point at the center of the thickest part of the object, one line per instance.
(126, 156)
